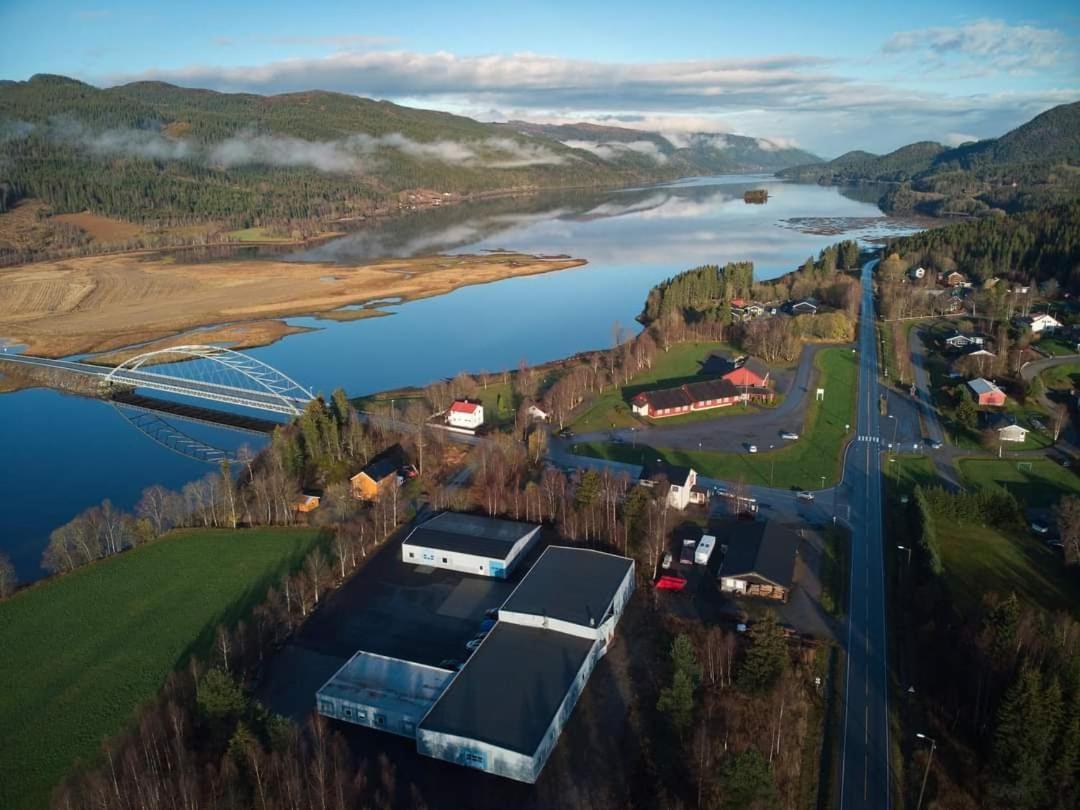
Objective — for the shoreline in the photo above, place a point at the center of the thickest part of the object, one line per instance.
(97, 304)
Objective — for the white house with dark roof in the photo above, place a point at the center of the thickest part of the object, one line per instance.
(682, 482)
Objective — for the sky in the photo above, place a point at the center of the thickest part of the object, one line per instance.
(827, 77)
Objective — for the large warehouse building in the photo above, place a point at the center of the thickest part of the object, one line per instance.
(472, 544)
(504, 710)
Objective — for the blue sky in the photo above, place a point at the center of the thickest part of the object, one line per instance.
(827, 77)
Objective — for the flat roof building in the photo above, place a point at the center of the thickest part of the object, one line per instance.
(381, 692)
(473, 544)
(503, 712)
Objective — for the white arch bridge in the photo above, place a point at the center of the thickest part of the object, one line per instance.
(209, 373)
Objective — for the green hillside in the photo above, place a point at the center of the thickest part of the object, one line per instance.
(1035, 164)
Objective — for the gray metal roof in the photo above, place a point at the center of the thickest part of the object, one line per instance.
(388, 683)
(488, 537)
(764, 549)
(510, 689)
(655, 468)
(574, 585)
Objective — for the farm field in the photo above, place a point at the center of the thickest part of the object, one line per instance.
(801, 465)
(81, 652)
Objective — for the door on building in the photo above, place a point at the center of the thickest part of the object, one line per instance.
(497, 569)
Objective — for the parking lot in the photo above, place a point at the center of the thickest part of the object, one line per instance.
(390, 608)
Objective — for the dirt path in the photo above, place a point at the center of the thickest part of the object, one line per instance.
(102, 303)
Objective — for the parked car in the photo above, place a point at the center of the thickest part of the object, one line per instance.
(473, 644)
(566, 433)
(666, 562)
(752, 448)
(1056, 545)
(935, 445)
(788, 435)
(688, 549)
(1040, 528)
(805, 496)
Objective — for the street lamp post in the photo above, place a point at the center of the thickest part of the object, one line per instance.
(896, 426)
(926, 774)
(772, 466)
(823, 482)
(908, 550)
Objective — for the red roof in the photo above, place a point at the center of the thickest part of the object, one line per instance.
(738, 302)
(461, 406)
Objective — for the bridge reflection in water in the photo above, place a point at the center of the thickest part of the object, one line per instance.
(208, 373)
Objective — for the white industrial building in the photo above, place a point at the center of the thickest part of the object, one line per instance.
(504, 710)
(472, 544)
(385, 693)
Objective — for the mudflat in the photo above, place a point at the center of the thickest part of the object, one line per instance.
(103, 303)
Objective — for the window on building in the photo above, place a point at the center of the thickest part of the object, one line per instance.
(380, 720)
(411, 555)
(348, 712)
(326, 707)
(409, 727)
(476, 759)
(361, 714)
(444, 560)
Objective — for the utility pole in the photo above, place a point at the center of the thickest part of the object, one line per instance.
(926, 774)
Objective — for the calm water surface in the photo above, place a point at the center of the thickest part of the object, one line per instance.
(60, 454)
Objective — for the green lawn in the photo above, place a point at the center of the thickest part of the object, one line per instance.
(679, 365)
(1057, 346)
(1063, 377)
(979, 560)
(1041, 486)
(258, 234)
(799, 465)
(904, 473)
(79, 653)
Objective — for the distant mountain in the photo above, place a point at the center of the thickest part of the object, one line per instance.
(689, 153)
(1035, 164)
(157, 153)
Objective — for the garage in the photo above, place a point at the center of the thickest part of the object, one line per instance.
(472, 544)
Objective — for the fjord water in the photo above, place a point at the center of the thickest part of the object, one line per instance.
(60, 454)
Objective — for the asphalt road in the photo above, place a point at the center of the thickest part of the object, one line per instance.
(865, 780)
(932, 424)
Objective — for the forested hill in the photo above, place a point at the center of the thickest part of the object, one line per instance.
(1035, 246)
(1035, 164)
(689, 153)
(154, 152)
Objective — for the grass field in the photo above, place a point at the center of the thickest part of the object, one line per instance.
(79, 653)
(979, 560)
(1040, 487)
(1057, 346)
(677, 366)
(259, 235)
(904, 473)
(1063, 377)
(799, 466)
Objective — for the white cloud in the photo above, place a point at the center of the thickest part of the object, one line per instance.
(612, 150)
(957, 138)
(776, 143)
(991, 44)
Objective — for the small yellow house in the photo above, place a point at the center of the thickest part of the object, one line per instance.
(381, 472)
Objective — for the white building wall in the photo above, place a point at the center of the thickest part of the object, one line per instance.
(466, 420)
(476, 754)
(469, 563)
(376, 717)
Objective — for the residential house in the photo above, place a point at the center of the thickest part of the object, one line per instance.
(682, 483)
(986, 392)
(960, 340)
(742, 310)
(807, 306)
(537, 413)
(917, 272)
(308, 502)
(466, 414)
(379, 474)
(760, 559)
(1006, 427)
(954, 279)
(1042, 323)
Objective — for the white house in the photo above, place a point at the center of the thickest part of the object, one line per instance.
(1043, 323)
(917, 272)
(474, 544)
(1006, 427)
(682, 482)
(959, 340)
(465, 414)
(538, 413)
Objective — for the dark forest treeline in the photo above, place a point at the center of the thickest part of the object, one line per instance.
(999, 683)
(1034, 247)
